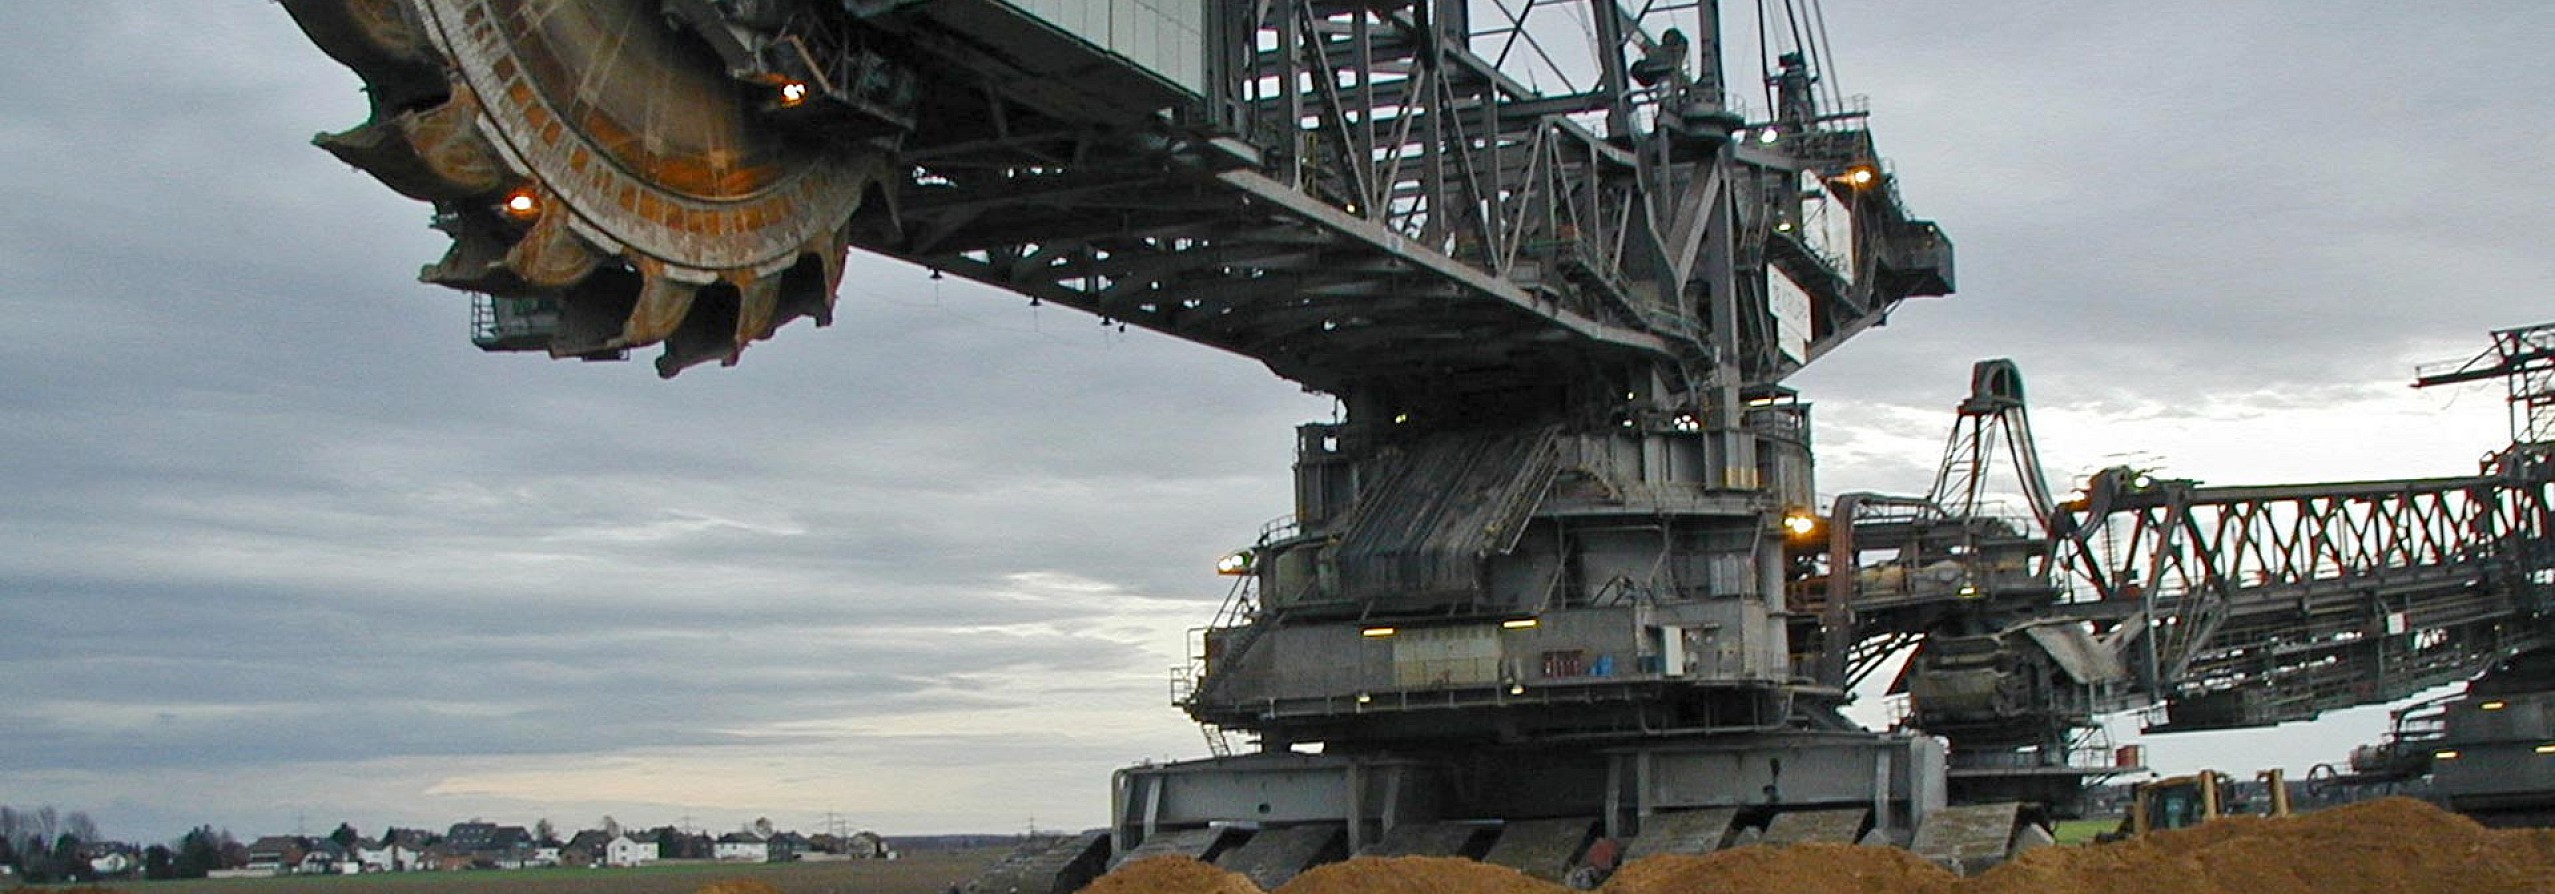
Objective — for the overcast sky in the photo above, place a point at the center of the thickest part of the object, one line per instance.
(279, 548)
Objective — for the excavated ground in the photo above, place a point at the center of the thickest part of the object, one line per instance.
(2390, 846)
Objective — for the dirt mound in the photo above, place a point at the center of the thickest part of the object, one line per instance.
(1798, 869)
(1416, 875)
(737, 886)
(2390, 846)
(1171, 875)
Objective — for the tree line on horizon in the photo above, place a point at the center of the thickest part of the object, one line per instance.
(44, 845)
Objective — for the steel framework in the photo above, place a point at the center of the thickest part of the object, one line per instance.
(2267, 604)
(2211, 607)
(1366, 194)
(2523, 355)
(1554, 273)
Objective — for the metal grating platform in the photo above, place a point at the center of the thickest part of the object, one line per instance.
(1843, 826)
(1428, 840)
(1681, 832)
(1048, 867)
(1273, 856)
(1195, 844)
(1541, 848)
(1968, 838)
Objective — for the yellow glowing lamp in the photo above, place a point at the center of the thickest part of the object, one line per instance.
(1236, 564)
(1378, 632)
(2491, 706)
(1801, 524)
(793, 93)
(521, 203)
(2444, 755)
(1862, 175)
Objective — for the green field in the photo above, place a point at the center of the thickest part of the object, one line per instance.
(926, 872)
(2080, 831)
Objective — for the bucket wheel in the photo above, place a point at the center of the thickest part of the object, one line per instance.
(602, 178)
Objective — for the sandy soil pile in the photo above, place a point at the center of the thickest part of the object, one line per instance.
(738, 886)
(1415, 875)
(1171, 875)
(1798, 869)
(2391, 846)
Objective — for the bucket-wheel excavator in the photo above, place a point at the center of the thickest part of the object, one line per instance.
(1554, 585)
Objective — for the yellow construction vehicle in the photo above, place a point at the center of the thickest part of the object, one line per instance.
(2176, 802)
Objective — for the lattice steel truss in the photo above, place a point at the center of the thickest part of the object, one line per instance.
(1382, 193)
(2526, 357)
(2264, 604)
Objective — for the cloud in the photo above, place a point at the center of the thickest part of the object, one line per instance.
(2194, 199)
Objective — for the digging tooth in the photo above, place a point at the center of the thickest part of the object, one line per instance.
(381, 148)
(552, 255)
(448, 140)
(662, 305)
(476, 261)
(798, 297)
(708, 333)
(383, 42)
(594, 314)
(804, 291)
(829, 252)
(758, 305)
(434, 154)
